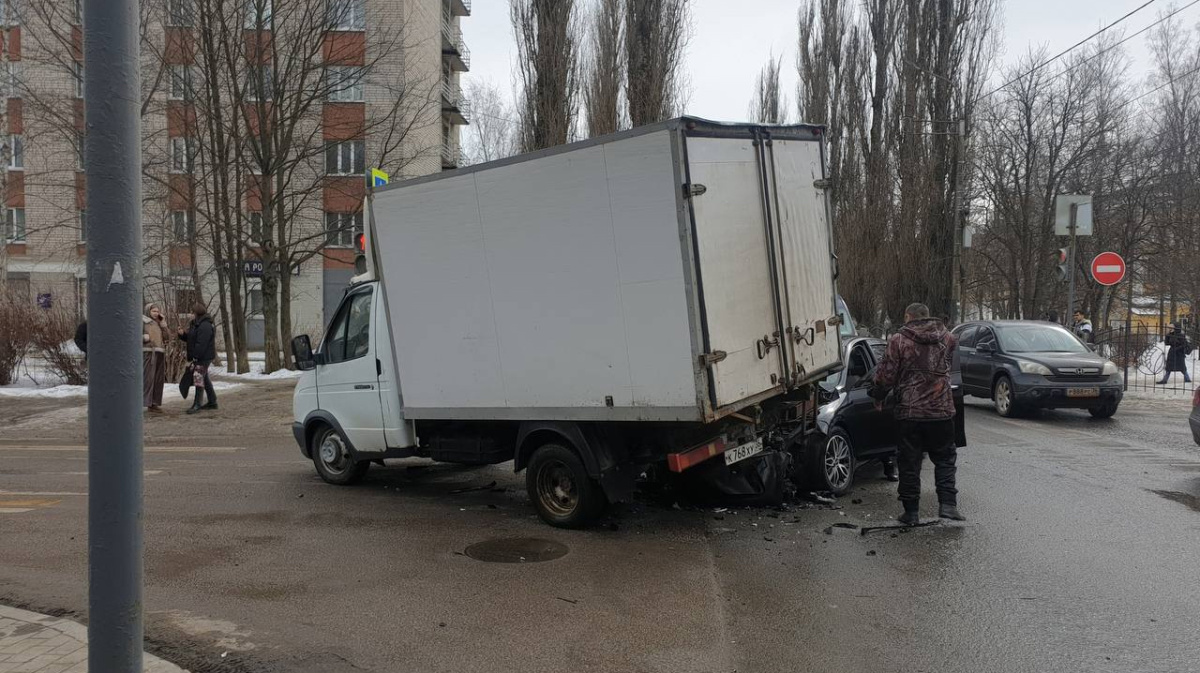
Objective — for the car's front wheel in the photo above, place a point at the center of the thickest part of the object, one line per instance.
(835, 464)
(1004, 398)
(333, 459)
(1106, 410)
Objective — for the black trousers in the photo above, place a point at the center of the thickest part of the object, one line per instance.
(937, 439)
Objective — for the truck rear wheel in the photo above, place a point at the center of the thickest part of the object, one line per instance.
(333, 459)
(560, 488)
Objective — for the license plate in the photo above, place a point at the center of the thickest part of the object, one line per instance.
(743, 452)
(1083, 392)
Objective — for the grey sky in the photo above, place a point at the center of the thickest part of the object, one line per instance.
(734, 38)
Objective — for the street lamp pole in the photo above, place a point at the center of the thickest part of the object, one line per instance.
(112, 93)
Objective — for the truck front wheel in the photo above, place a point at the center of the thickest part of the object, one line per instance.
(560, 488)
(333, 459)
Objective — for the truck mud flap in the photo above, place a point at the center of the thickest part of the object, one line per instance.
(761, 479)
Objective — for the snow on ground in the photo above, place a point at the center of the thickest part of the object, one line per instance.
(36, 381)
(257, 364)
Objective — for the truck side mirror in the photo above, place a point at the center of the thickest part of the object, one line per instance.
(302, 353)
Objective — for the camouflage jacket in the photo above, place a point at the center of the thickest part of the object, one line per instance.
(917, 367)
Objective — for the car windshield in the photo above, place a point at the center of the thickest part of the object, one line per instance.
(1038, 339)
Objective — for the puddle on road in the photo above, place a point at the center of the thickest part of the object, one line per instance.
(516, 550)
(1186, 499)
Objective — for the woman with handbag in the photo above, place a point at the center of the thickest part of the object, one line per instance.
(201, 338)
(154, 358)
(1178, 349)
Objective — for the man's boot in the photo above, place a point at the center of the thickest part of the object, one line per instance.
(949, 510)
(210, 405)
(889, 470)
(912, 513)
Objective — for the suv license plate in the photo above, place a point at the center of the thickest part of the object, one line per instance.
(743, 452)
(1083, 392)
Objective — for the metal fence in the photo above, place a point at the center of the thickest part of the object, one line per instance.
(1141, 353)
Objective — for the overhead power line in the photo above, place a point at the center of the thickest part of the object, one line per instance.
(1068, 50)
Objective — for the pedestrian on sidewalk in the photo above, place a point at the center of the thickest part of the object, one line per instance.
(201, 338)
(154, 358)
(1178, 348)
(916, 368)
(1082, 327)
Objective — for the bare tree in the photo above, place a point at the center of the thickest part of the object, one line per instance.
(656, 35)
(769, 105)
(493, 131)
(548, 35)
(605, 68)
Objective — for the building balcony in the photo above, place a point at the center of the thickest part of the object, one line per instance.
(459, 7)
(452, 157)
(454, 49)
(455, 106)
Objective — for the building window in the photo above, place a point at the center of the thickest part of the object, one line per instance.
(81, 298)
(256, 301)
(180, 13)
(14, 225)
(344, 158)
(78, 79)
(16, 286)
(258, 14)
(347, 15)
(16, 153)
(77, 12)
(181, 82)
(256, 226)
(181, 155)
(260, 82)
(83, 226)
(183, 225)
(12, 80)
(340, 228)
(80, 152)
(345, 83)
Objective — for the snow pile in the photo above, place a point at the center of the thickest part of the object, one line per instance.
(36, 381)
(257, 364)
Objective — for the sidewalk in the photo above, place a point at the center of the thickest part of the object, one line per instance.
(34, 643)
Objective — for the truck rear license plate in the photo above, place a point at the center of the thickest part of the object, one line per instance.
(743, 452)
(1083, 392)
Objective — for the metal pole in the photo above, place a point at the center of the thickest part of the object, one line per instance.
(1071, 266)
(112, 93)
(956, 287)
(1128, 323)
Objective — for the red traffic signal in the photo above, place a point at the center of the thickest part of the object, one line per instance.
(360, 242)
(1063, 254)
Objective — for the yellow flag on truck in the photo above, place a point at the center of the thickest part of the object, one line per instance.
(378, 178)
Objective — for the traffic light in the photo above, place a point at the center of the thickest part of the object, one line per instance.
(360, 253)
(1064, 269)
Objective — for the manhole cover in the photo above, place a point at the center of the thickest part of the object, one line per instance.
(516, 550)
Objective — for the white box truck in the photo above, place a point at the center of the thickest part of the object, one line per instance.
(659, 297)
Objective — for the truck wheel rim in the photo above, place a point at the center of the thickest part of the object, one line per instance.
(837, 461)
(556, 488)
(333, 453)
(1003, 401)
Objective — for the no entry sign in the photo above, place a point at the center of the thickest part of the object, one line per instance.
(1108, 268)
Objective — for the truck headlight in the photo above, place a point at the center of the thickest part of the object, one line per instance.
(1028, 367)
(1110, 368)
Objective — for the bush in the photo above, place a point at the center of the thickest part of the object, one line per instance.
(16, 334)
(53, 337)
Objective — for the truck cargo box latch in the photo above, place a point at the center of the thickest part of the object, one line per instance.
(693, 189)
(710, 359)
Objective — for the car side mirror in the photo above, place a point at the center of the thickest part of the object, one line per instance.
(985, 348)
(302, 353)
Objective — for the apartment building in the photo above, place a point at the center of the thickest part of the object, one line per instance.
(387, 73)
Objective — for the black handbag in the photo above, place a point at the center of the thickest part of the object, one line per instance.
(185, 381)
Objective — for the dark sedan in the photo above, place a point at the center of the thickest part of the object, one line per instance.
(851, 431)
(1022, 365)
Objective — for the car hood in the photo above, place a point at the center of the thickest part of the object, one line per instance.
(1066, 361)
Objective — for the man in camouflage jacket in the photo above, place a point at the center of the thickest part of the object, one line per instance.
(916, 369)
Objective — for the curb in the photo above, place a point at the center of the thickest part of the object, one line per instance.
(78, 633)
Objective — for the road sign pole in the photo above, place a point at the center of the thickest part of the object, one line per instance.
(112, 93)
(1071, 265)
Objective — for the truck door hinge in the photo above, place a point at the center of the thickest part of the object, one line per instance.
(693, 189)
(823, 183)
(710, 359)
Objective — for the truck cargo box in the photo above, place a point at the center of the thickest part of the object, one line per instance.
(676, 272)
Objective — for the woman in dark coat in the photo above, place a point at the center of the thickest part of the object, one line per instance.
(201, 338)
(1178, 349)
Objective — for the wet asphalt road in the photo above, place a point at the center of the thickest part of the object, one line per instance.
(1081, 554)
